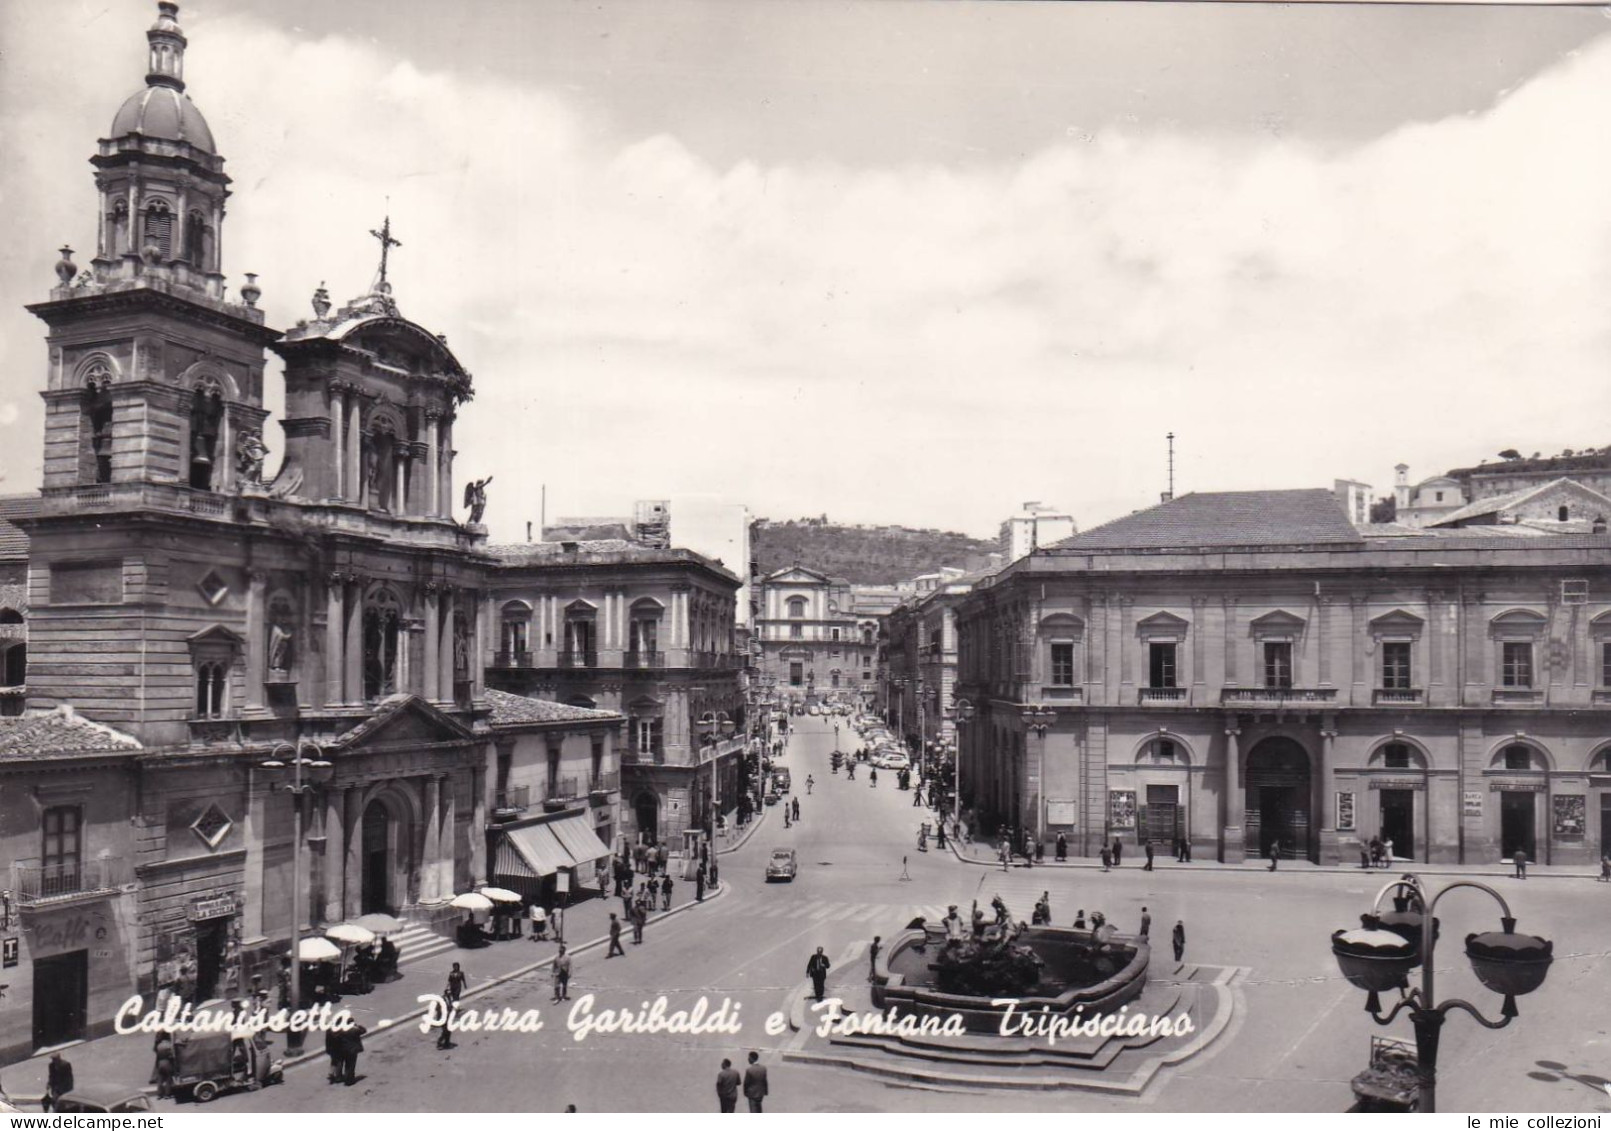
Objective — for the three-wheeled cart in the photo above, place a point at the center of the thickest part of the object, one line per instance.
(210, 1064)
(1391, 1083)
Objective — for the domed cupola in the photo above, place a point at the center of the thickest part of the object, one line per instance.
(161, 178)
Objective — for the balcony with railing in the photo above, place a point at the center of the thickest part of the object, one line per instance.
(36, 884)
(608, 781)
(579, 658)
(1276, 696)
(1390, 696)
(515, 799)
(643, 659)
(716, 660)
(559, 792)
(511, 659)
(1161, 696)
(644, 756)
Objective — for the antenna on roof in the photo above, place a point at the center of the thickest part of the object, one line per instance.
(1169, 495)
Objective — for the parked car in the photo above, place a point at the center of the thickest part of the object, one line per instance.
(771, 797)
(896, 761)
(103, 1100)
(782, 866)
(781, 781)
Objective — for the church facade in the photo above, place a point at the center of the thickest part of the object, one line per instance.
(209, 646)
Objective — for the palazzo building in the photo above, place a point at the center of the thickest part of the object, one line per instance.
(1247, 670)
(813, 641)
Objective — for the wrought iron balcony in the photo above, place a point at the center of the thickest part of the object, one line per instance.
(1276, 696)
(64, 883)
(607, 782)
(1389, 695)
(643, 659)
(579, 658)
(559, 791)
(1153, 696)
(511, 660)
(516, 798)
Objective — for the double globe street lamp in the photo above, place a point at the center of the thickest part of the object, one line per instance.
(306, 775)
(1379, 955)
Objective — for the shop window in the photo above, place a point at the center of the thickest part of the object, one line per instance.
(1396, 665)
(1278, 664)
(1516, 663)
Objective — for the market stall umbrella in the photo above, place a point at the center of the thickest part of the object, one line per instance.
(502, 895)
(318, 950)
(380, 922)
(350, 934)
(471, 901)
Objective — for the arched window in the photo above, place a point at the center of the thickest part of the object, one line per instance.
(195, 239)
(644, 644)
(212, 682)
(159, 229)
(382, 622)
(118, 239)
(514, 640)
(797, 607)
(1563, 514)
(581, 637)
(96, 463)
(206, 418)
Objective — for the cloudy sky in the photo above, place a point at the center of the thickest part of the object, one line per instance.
(893, 261)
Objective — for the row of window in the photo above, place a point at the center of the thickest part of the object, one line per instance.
(1517, 667)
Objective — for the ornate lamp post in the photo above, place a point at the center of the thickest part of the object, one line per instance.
(964, 711)
(306, 776)
(1380, 954)
(1040, 720)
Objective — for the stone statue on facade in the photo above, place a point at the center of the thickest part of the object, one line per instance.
(475, 497)
(279, 648)
(250, 452)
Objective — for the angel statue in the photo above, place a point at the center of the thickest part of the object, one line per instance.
(475, 497)
(250, 452)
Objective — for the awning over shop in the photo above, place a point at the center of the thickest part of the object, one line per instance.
(531, 851)
(579, 839)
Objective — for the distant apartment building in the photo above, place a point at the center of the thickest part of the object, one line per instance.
(1035, 525)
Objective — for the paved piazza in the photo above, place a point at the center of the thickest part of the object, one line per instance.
(1299, 1035)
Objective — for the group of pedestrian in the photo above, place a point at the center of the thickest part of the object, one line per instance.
(1377, 854)
(342, 1046)
(753, 1084)
(1113, 854)
(457, 980)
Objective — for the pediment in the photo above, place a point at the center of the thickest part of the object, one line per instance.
(798, 575)
(1523, 621)
(1399, 622)
(1162, 624)
(215, 640)
(1278, 623)
(403, 718)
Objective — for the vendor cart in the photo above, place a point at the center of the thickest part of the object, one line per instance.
(1392, 1082)
(210, 1064)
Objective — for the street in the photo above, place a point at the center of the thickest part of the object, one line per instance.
(1300, 1035)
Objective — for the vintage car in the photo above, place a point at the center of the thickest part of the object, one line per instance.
(782, 866)
(95, 1100)
(781, 780)
(771, 797)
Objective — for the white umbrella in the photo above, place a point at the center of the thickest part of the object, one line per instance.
(471, 901)
(318, 950)
(350, 934)
(380, 923)
(502, 895)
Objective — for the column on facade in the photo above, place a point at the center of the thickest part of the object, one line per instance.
(432, 480)
(1323, 641)
(444, 465)
(1127, 647)
(399, 473)
(449, 839)
(335, 854)
(1228, 607)
(483, 644)
(1357, 612)
(257, 791)
(256, 595)
(1234, 847)
(354, 452)
(338, 438)
(444, 646)
(1199, 608)
(335, 635)
(352, 859)
(353, 678)
(430, 874)
(432, 686)
(478, 826)
(1328, 766)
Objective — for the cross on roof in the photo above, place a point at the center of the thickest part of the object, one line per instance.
(384, 235)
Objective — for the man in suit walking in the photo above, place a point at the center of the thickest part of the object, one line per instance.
(1180, 939)
(1146, 922)
(817, 971)
(727, 1085)
(615, 938)
(755, 1089)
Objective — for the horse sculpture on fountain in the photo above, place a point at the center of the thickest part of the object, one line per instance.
(992, 963)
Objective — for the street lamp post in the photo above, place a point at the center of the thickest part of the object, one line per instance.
(1040, 720)
(1380, 954)
(317, 771)
(964, 710)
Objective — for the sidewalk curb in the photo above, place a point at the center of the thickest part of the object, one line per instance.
(402, 1020)
(743, 840)
(1299, 867)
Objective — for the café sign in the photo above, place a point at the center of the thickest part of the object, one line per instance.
(216, 907)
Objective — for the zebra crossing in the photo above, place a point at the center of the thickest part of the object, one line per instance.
(831, 911)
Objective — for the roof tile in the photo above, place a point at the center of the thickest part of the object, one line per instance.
(1224, 518)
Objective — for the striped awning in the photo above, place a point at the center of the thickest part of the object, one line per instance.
(580, 841)
(532, 851)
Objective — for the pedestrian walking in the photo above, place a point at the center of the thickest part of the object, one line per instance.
(1079, 920)
(1520, 860)
(1605, 869)
(654, 890)
(1179, 937)
(639, 921)
(872, 779)
(456, 981)
(755, 1089)
(1107, 858)
(728, 1082)
(1062, 847)
(351, 1043)
(817, 970)
(163, 1048)
(665, 892)
(1118, 852)
(1274, 853)
(1147, 867)
(917, 797)
(796, 808)
(872, 955)
(615, 938)
(562, 975)
(699, 885)
(1146, 923)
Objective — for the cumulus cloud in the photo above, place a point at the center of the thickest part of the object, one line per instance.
(919, 343)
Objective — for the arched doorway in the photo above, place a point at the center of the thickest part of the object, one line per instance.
(377, 858)
(646, 808)
(1278, 797)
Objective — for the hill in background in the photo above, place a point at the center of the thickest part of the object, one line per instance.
(872, 555)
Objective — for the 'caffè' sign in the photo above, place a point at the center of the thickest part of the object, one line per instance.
(215, 908)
